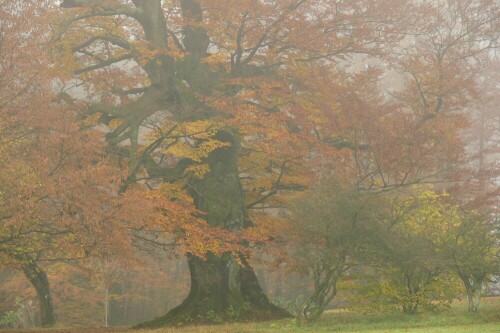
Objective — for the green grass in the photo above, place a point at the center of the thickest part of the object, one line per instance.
(456, 319)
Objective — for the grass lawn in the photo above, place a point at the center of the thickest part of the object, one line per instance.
(456, 320)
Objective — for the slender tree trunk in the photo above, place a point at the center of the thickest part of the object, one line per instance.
(106, 306)
(40, 282)
(325, 289)
(116, 304)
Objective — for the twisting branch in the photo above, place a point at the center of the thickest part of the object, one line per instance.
(98, 9)
(108, 38)
(102, 9)
(103, 64)
(274, 188)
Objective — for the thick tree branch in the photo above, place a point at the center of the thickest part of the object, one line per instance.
(97, 10)
(108, 38)
(103, 64)
(100, 9)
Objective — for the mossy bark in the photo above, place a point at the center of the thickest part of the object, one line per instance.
(473, 286)
(40, 282)
(474, 297)
(222, 288)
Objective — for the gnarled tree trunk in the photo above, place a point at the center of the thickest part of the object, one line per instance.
(40, 282)
(474, 297)
(221, 288)
(221, 291)
(326, 277)
(473, 286)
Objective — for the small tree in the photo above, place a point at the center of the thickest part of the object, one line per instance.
(329, 232)
(414, 270)
(474, 254)
(415, 280)
(429, 240)
(58, 187)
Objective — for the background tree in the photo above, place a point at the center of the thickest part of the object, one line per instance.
(58, 187)
(433, 243)
(474, 252)
(413, 133)
(415, 272)
(330, 233)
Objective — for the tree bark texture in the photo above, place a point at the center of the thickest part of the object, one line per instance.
(40, 282)
(326, 278)
(473, 286)
(222, 288)
(474, 297)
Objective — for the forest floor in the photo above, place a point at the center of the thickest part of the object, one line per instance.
(457, 319)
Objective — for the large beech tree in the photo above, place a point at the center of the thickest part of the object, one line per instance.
(219, 104)
(205, 100)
